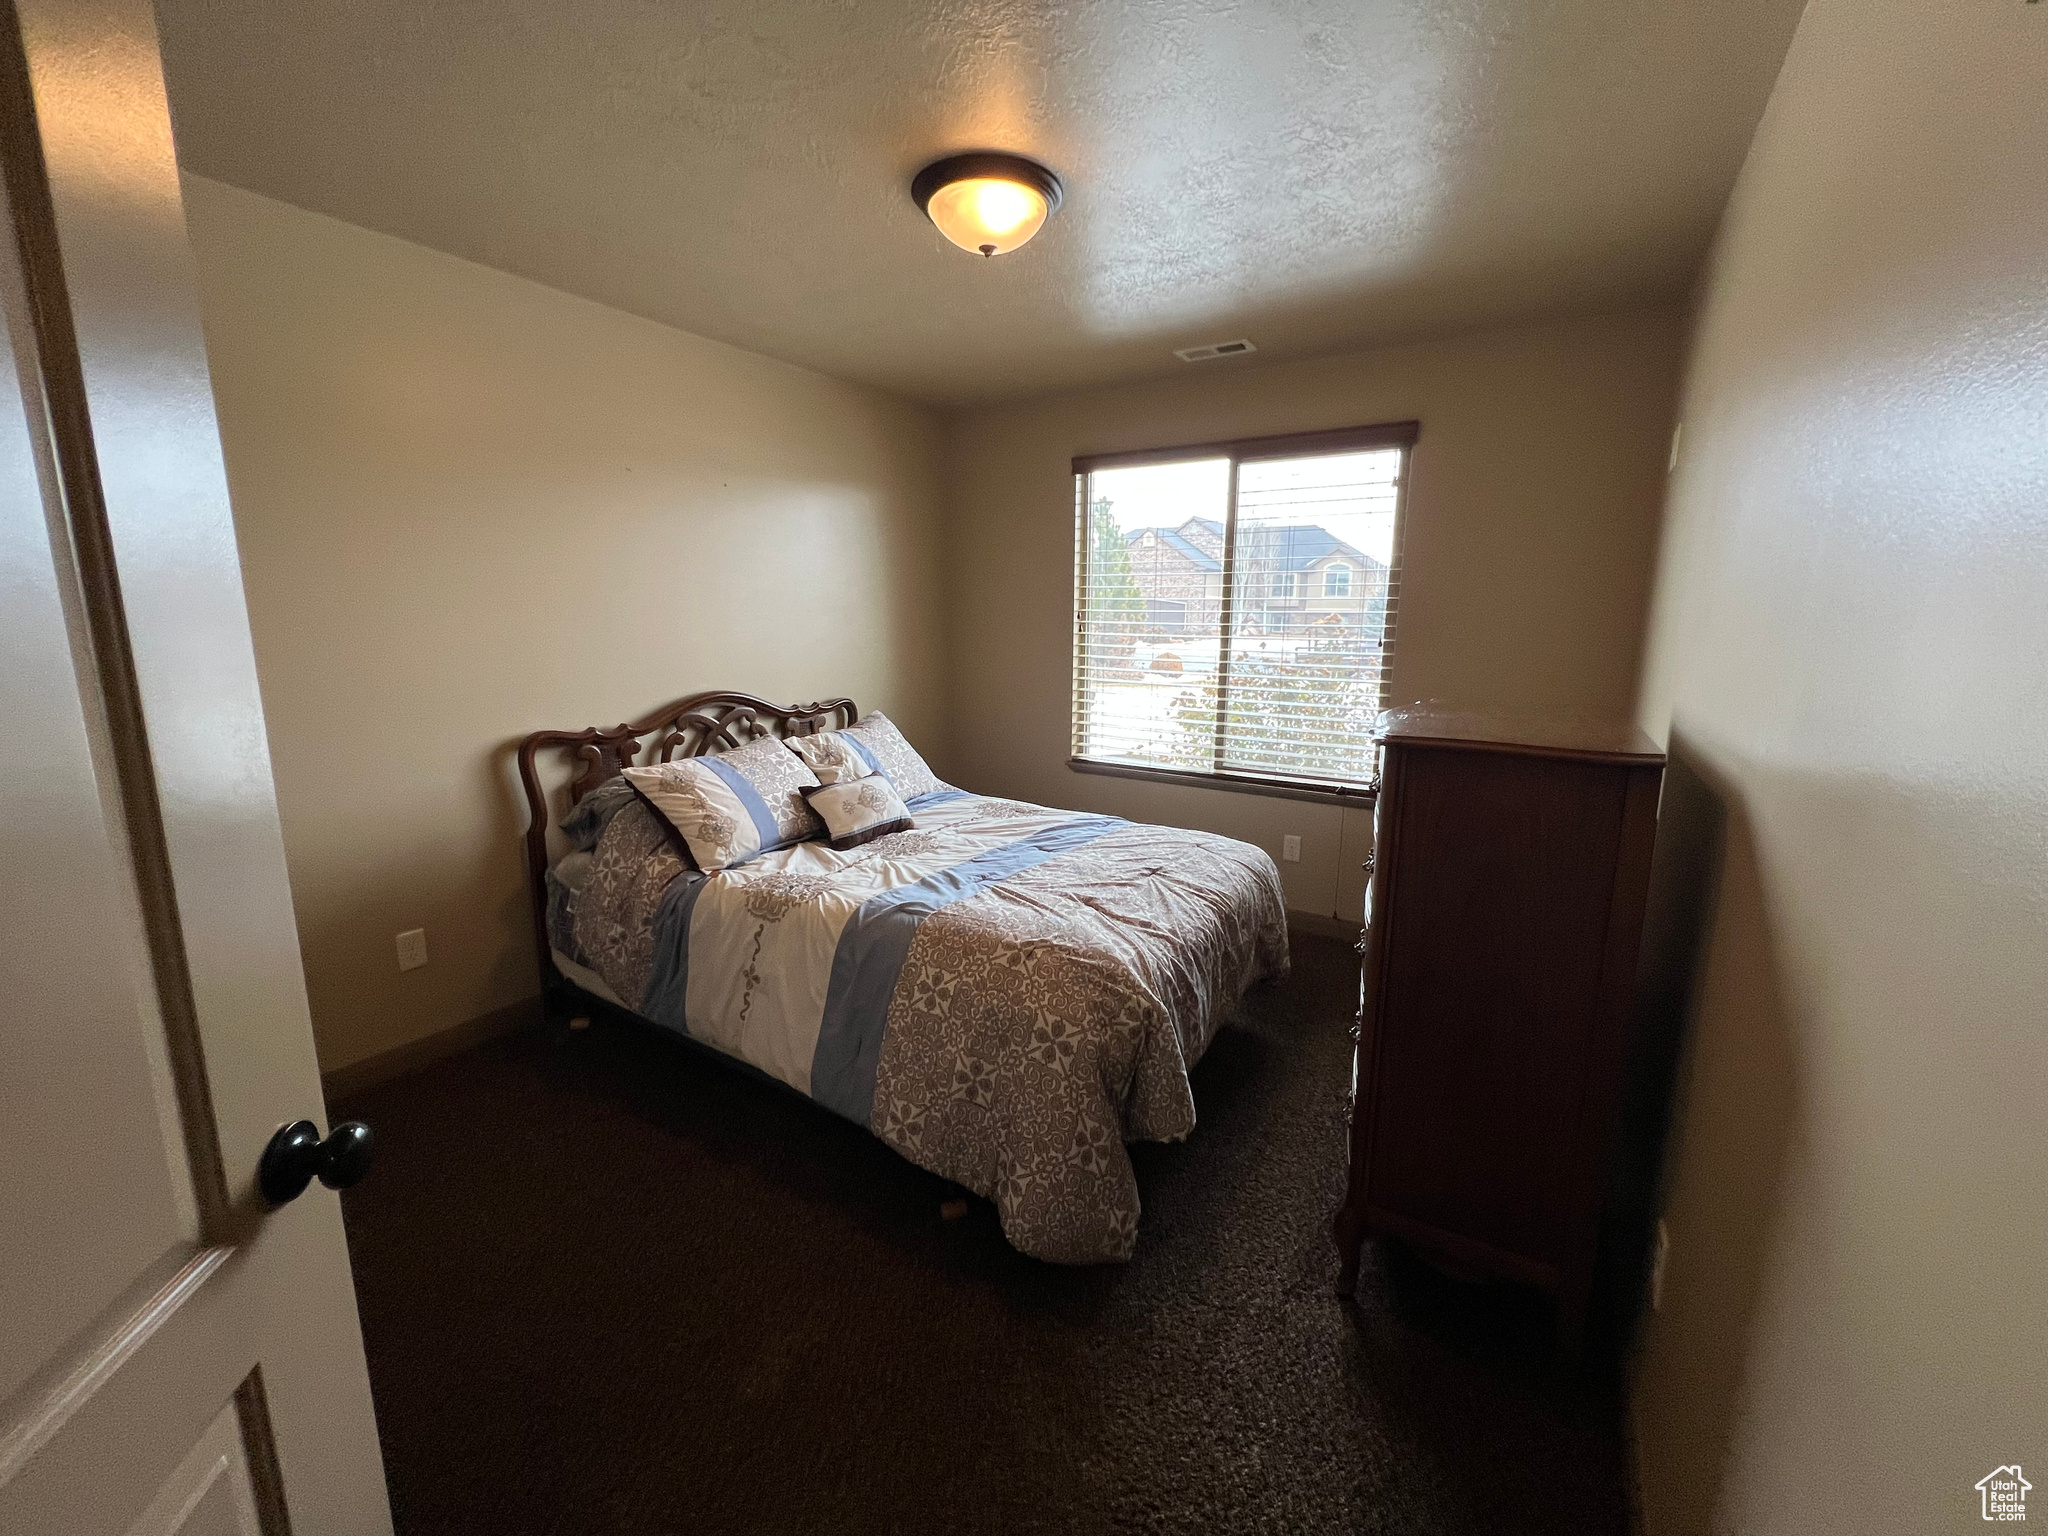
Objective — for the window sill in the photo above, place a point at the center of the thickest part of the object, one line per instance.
(1286, 789)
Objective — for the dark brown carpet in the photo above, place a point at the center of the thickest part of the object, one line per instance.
(610, 1286)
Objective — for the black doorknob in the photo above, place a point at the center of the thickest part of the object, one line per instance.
(296, 1156)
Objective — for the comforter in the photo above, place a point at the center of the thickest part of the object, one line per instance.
(1006, 994)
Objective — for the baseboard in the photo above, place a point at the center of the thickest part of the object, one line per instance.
(414, 1054)
(1322, 927)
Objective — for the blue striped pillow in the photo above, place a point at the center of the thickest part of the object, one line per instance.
(735, 806)
(872, 744)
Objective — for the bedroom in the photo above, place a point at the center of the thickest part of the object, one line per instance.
(1686, 372)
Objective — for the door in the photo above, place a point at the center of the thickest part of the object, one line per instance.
(175, 1356)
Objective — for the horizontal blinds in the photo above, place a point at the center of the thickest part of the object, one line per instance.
(1313, 595)
(1237, 617)
(1149, 611)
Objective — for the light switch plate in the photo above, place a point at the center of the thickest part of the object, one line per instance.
(1290, 848)
(412, 949)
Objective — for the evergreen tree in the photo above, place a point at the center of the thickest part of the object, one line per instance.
(1116, 608)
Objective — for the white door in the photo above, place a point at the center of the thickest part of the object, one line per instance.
(174, 1354)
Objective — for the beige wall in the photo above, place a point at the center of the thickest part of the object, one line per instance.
(1850, 649)
(469, 507)
(1531, 524)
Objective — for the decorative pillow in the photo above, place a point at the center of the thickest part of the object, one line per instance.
(734, 806)
(873, 744)
(834, 756)
(858, 811)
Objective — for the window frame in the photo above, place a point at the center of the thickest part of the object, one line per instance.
(1242, 450)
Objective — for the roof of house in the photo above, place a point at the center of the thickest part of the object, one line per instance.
(1290, 547)
(1297, 546)
(1175, 540)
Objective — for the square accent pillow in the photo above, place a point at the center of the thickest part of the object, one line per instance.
(874, 743)
(833, 756)
(733, 806)
(858, 811)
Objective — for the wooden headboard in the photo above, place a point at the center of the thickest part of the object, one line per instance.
(704, 722)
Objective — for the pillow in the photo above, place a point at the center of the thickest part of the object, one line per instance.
(858, 811)
(833, 756)
(873, 742)
(734, 806)
(594, 812)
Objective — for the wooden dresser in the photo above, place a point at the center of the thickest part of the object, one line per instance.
(1503, 909)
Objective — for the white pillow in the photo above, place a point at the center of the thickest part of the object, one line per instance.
(858, 811)
(876, 746)
(733, 806)
(833, 756)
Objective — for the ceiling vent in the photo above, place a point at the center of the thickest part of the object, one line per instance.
(1214, 349)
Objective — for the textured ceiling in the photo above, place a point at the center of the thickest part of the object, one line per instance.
(1313, 174)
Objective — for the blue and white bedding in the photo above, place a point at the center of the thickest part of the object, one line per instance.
(1005, 994)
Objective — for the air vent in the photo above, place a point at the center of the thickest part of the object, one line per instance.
(1214, 349)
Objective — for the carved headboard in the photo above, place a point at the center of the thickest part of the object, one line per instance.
(692, 727)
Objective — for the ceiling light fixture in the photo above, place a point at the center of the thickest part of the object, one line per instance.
(988, 203)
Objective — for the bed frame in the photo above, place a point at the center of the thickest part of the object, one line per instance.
(691, 727)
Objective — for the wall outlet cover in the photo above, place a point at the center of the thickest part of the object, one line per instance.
(1290, 848)
(412, 949)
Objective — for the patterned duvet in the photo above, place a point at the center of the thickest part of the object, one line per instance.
(1005, 995)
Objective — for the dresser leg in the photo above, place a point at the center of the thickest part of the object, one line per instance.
(1349, 1232)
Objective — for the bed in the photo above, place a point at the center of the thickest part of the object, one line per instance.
(1004, 993)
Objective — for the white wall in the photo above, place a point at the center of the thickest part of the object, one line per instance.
(470, 507)
(1850, 654)
(1531, 525)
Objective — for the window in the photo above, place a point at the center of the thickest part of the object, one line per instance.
(1191, 658)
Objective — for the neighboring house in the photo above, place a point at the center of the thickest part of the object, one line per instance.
(1301, 576)
(1205, 533)
(1296, 577)
(1182, 581)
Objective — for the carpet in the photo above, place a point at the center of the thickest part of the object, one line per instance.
(608, 1286)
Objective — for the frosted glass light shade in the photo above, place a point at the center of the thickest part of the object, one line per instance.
(987, 203)
(987, 215)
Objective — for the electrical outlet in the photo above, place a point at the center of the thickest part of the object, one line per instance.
(1660, 1255)
(1290, 848)
(412, 949)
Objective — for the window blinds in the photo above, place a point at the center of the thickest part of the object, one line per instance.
(1235, 606)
